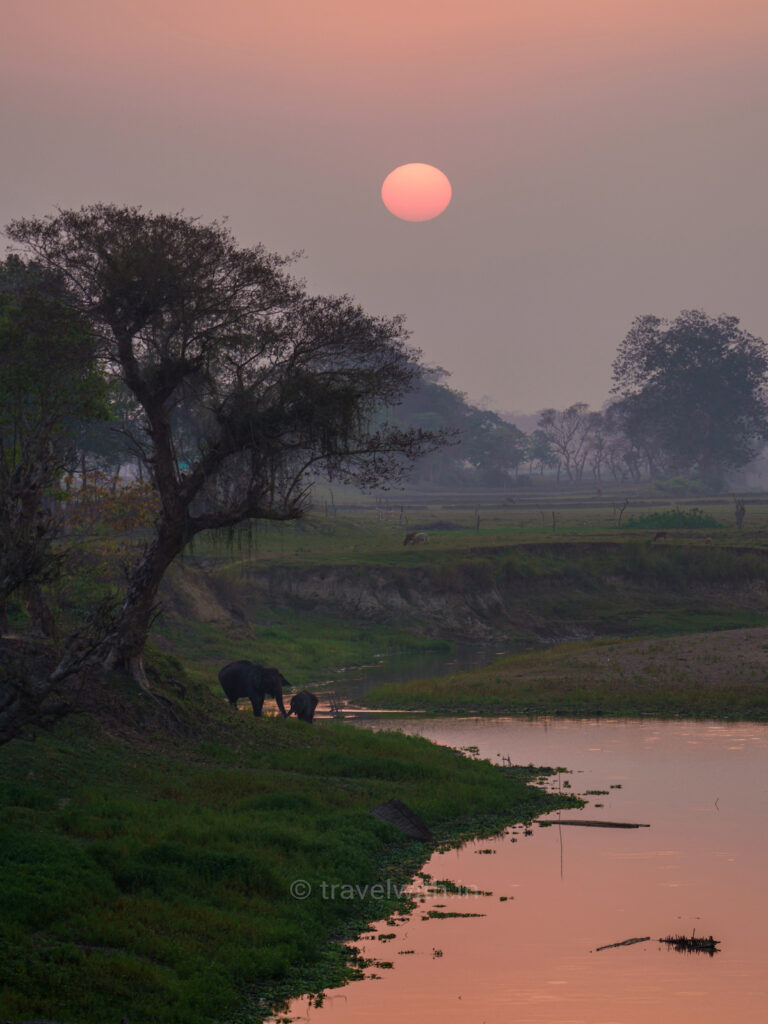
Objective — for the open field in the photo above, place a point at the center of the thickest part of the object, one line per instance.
(335, 590)
(368, 531)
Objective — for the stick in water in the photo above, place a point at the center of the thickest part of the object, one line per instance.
(626, 942)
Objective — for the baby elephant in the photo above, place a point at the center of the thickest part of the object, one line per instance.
(247, 679)
(303, 705)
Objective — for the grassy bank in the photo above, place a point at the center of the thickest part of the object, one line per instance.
(148, 876)
(308, 648)
(712, 675)
(312, 620)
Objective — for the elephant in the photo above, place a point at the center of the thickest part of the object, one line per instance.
(303, 705)
(246, 679)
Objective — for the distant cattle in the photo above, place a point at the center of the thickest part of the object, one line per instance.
(661, 535)
(418, 537)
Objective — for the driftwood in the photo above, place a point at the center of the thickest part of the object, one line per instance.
(594, 824)
(396, 813)
(626, 942)
(692, 944)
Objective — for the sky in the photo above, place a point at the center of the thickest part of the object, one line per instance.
(607, 157)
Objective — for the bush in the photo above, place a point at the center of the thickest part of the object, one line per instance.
(674, 519)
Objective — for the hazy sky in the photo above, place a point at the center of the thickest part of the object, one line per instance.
(608, 157)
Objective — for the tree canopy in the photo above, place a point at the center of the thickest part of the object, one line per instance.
(247, 386)
(50, 381)
(692, 392)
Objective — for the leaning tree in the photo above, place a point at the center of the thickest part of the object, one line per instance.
(247, 386)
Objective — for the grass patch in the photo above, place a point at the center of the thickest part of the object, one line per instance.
(150, 877)
(713, 675)
(305, 646)
(674, 519)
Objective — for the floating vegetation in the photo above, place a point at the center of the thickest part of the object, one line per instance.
(683, 944)
(445, 887)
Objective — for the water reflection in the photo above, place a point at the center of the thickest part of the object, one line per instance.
(560, 893)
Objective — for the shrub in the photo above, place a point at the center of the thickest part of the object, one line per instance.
(674, 519)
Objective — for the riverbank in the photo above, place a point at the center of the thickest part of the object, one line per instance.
(722, 675)
(147, 869)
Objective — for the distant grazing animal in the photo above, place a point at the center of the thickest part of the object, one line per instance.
(246, 679)
(303, 705)
(661, 535)
(418, 537)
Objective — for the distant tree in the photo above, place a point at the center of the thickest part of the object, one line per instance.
(272, 385)
(49, 381)
(432, 405)
(494, 448)
(622, 456)
(540, 451)
(693, 392)
(598, 448)
(569, 433)
(486, 450)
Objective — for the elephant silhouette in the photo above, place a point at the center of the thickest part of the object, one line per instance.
(247, 679)
(303, 705)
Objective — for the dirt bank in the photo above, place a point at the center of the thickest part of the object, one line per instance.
(532, 595)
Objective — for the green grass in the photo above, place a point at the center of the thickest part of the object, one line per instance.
(694, 677)
(304, 646)
(367, 535)
(538, 589)
(674, 519)
(150, 877)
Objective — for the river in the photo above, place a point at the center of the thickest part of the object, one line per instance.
(562, 892)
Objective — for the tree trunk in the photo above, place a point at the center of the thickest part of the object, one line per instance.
(138, 609)
(38, 609)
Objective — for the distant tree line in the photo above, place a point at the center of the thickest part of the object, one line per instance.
(690, 399)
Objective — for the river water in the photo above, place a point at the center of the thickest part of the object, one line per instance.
(531, 958)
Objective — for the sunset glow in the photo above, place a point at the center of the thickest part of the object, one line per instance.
(416, 192)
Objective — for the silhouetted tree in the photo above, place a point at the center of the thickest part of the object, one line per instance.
(569, 435)
(692, 392)
(494, 448)
(278, 384)
(49, 380)
(540, 451)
